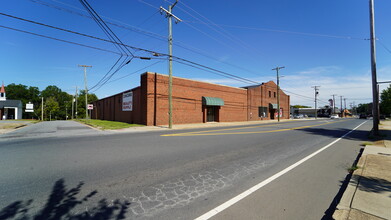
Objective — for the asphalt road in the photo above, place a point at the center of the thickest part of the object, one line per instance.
(177, 174)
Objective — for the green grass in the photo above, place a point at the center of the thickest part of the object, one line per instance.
(107, 125)
(353, 168)
(366, 143)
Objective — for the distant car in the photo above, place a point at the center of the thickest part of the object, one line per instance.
(382, 117)
(363, 116)
(298, 116)
(334, 116)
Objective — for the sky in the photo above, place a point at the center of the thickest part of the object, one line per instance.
(320, 43)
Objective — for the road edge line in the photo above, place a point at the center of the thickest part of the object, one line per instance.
(246, 193)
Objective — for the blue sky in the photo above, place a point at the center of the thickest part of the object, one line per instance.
(321, 43)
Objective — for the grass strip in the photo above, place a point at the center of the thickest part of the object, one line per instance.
(107, 125)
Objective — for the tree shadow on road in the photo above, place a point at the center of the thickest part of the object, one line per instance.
(61, 203)
(337, 133)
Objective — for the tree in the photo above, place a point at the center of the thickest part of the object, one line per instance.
(62, 99)
(385, 101)
(364, 108)
(300, 106)
(81, 102)
(51, 108)
(25, 94)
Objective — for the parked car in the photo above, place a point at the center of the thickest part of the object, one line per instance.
(363, 116)
(334, 116)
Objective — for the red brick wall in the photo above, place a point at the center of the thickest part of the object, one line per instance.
(150, 102)
(259, 96)
(110, 108)
(187, 100)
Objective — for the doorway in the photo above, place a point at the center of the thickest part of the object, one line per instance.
(210, 114)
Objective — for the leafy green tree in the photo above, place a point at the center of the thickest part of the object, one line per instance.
(385, 101)
(25, 94)
(51, 108)
(364, 108)
(81, 103)
(62, 98)
(300, 106)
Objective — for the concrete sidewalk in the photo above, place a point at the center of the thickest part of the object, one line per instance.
(368, 195)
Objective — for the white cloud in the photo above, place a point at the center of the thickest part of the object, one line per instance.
(332, 80)
(355, 87)
(320, 70)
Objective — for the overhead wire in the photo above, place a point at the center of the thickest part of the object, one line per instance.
(132, 47)
(210, 24)
(58, 39)
(127, 75)
(284, 31)
(384, 46)
(147, 33)
(113, 37)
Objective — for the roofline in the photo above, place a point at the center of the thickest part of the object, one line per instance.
(194, 80)
(118, 93)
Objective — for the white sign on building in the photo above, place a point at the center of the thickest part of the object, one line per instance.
(127, 101)
(29, 107)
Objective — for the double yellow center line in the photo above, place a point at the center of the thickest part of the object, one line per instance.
(219, 131)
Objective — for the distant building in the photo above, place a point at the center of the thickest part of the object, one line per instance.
(193, 102)
(9, 109)
(310, 112)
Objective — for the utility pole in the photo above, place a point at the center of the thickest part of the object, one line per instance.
(375, 96)
(334, 103)
(169, 15)
(73, 100)
(76, 104)
(316, 88)
(85, 86)
(42, 110)
(66, 110)
(345, 104)
(278, 90)
(342, 113)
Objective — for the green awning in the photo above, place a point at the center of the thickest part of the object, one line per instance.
(212, 101)
(273, 106)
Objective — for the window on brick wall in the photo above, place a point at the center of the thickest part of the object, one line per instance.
(262, 112)
(274, 94)
(270, 94)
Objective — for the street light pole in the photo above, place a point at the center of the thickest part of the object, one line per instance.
(169, 15)
(334, 103)
(278, 90)
(316, 88)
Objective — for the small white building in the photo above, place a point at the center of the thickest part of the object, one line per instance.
(9, 109)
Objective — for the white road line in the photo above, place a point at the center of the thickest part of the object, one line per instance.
(246, 193)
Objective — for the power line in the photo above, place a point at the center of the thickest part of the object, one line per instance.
(283, 31)
(384, 46)
(128, 46)
(147, 33)
(57, 39)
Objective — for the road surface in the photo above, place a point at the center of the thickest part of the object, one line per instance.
(177, 174)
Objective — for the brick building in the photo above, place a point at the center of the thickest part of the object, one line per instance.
(193, 102)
